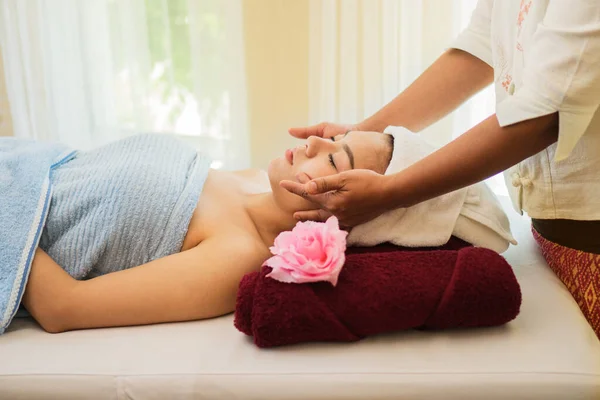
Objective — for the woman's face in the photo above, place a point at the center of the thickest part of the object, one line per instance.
(319, 157)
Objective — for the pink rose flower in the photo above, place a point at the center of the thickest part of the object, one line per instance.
(311, 252)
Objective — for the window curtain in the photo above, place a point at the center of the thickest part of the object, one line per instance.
(362, 53)
(89, 72)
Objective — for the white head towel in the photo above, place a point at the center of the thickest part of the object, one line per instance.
(472, 214)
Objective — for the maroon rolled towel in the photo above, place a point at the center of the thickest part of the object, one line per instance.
(381, 291)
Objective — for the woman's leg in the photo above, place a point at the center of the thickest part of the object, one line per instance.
(580, 273)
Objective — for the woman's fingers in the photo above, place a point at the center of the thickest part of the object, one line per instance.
(312, 215)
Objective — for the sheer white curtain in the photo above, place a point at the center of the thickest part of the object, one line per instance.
(362, 53)
(88, 72)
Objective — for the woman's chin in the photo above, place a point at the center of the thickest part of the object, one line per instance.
(279, 169)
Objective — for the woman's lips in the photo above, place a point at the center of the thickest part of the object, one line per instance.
(289, 155)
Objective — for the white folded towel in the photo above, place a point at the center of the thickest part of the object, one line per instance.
(472, 214)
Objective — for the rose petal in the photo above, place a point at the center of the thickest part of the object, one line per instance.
(311, 252)
(294, 257)
(281, 275)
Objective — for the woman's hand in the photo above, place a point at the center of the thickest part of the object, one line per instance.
(354, 197)
(324, 130)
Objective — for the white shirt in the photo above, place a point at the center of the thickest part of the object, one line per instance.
(546, 58)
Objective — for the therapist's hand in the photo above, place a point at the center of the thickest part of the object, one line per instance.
(324, 130)
(354, 197)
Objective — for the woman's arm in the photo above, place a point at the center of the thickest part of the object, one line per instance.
(198, 283)
(452, 79)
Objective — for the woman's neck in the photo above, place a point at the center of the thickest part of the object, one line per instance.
(268, 218)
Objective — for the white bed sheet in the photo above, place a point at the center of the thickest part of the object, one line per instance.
(548, 352)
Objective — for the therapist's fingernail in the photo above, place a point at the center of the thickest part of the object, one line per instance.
(312, 187)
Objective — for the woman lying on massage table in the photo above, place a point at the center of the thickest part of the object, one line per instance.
(140, 231)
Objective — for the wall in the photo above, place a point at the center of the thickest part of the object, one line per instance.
(5, 120)
(276, 40)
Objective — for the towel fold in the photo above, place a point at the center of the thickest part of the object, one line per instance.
(382, 290)
(472, 213)
(25, 187)
(123, 204)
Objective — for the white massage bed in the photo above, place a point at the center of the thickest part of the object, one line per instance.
(548, 352)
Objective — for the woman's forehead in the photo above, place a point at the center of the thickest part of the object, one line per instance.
(366, 139)
(370, 150)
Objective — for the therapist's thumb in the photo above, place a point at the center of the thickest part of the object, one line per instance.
(307, 131)
(325, 184)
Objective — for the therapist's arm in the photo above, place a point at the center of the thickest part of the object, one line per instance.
(480, 153)
(451, 80)
(357, 196)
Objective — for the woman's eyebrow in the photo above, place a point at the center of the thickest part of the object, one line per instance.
(350, 154)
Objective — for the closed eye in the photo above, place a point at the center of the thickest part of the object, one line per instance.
(331, 161)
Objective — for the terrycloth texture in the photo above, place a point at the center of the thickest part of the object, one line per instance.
(482, 220)
(123, 204)
(378, 291)
(25, 190)
(432, 222)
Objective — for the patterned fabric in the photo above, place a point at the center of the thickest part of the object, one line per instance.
(580, 273)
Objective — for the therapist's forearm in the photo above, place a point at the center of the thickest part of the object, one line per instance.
(451, 80)
(480, 153)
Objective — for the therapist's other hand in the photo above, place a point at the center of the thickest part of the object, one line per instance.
(324, 130)
(354, 196)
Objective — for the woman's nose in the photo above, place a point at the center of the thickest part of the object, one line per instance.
(314, 144)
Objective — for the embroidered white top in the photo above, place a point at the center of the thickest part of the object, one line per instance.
(546, 59)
